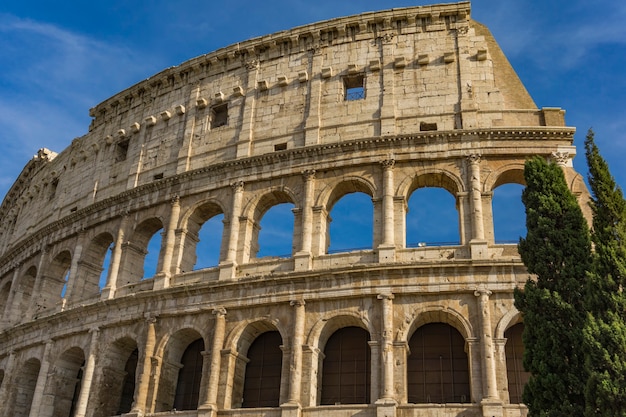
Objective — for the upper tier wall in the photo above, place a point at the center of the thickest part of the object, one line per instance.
(420, 68)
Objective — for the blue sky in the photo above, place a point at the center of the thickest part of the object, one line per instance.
(58, 59)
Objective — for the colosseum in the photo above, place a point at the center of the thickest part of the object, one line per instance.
(382, 103)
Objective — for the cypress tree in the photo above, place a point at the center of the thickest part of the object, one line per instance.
(557, 250)
(605, 333)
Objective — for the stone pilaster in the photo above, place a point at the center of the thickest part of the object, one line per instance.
(209, 408)
(478, 243)
(141, 391)
(386, 250)
(116, 256)
(42, 378)
(229, 266)
(163, 276)
(6, 383)
(302, 259)
(387, 354)
(490, 401)
(90, 366)
(73, 275)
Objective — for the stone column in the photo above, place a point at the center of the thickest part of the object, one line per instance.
(6, 382)
(246, 135)
(42, 378)
(209, 408)
(163, 276)
(141, 391)
(388, 394)
(228, 267)
(90, 366)
(490, 383)
(73, 275)
(34, 299)
(116, 256)
(386, 251)
(296, 352)
(478, 243)
(302, 259)
(10, 311)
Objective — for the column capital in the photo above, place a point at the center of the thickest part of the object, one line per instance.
(561, 158)
(297, 303)
(388, 164)
(150, 318)
(237, 186)
(308, 174)
(175, 199)
(385, 296)
(219, 312)
(474, 158)
(482, 291)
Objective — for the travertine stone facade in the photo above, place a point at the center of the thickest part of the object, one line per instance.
(382, 103)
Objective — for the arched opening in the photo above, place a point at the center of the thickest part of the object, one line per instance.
(5, 290)
(106, 264)
(209, 244)
(64, 385)
(128, 385)
(181, 372)
(276, 231)
(116, 387)
(189, 377)
(25, 291)
(346, 368)
(55, 282)
(432, 218)
(24, 388)
(153, 250)
(263, 371)
(509, 215)
(272, 226)
(203, 238)
(94, 266)
(141, 255)
(517, 376)
(437, 368)
(351, 223)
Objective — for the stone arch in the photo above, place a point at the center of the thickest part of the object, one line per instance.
(238, 342)
(65, 382)
(24, 292)
(333, 191)
(5, 292)
(173, 350)
(331, 194)
(23, 389)
(436, 224)
(511, 318)
(117, 378)
(191, 224)
(136, 249)
(54, 281)
(91, 266)
(505, 204)
(436, 314)
(257, 208)
(437, 178)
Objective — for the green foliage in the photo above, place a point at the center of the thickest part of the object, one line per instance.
(605, 331)
(557, 249)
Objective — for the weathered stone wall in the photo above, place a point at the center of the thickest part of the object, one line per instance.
(235, 132)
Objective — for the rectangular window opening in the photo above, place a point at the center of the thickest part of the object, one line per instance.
(158, 176)
(354, 87)
(219, 116)
(280, 147)
(425, 127)
(121, 150)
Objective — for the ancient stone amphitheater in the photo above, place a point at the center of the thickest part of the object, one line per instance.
(382, 103)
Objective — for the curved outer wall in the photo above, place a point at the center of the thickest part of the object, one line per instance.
(235, 132)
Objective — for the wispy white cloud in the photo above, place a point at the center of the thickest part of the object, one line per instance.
(49, 78)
